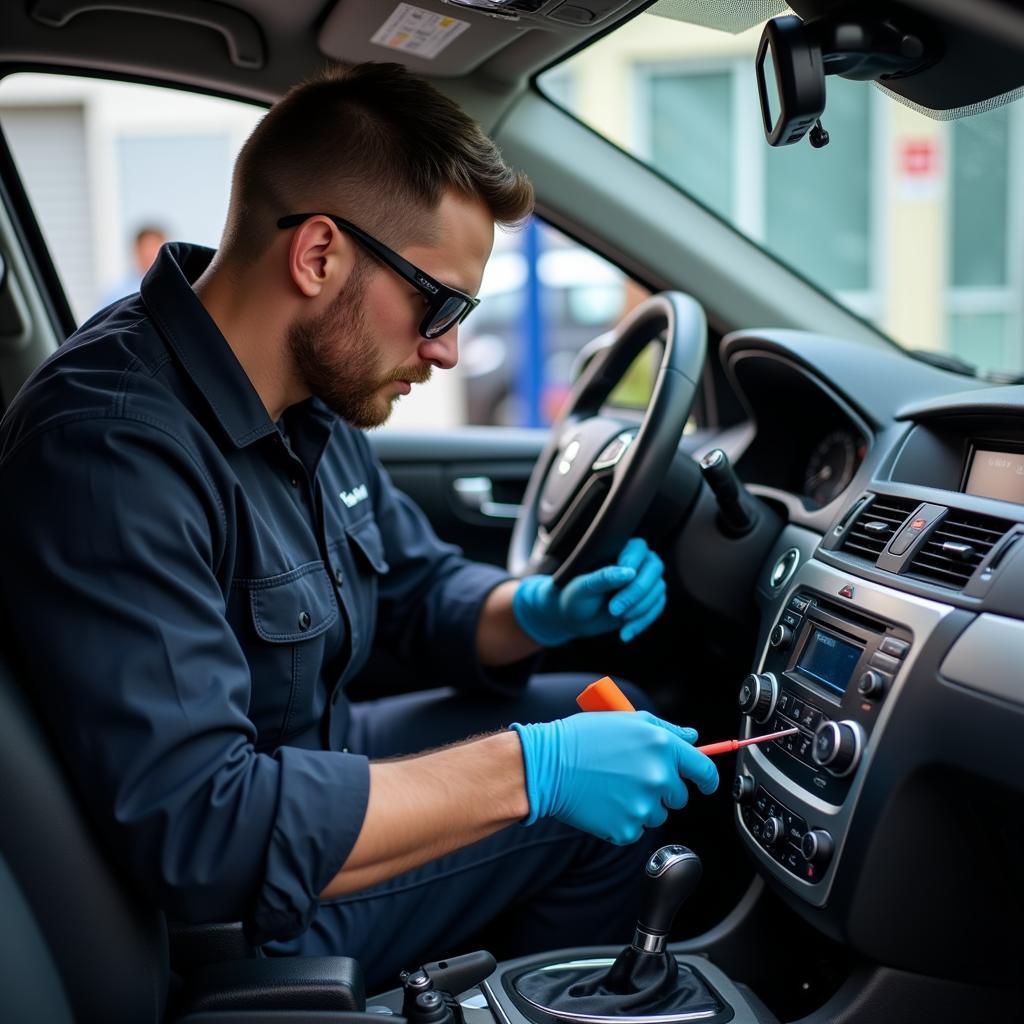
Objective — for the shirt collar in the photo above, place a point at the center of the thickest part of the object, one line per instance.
(195, 339)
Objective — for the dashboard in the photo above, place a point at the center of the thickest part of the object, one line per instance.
(892, 639)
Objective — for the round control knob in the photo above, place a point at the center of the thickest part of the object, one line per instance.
(758, 694)
(743, 787)
(837, 746)
(772, 830)
(816, 847)
(781, 637)
(871, 684)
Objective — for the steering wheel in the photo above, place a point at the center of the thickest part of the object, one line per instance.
(597, 476)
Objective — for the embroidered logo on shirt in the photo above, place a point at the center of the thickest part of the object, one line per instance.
(353, 497)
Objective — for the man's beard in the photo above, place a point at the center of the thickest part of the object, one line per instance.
(339, 363)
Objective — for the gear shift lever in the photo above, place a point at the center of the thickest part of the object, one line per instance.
(645, 980)
(671, 875)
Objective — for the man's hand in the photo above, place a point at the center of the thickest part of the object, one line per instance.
(627, 596)
(611, 773)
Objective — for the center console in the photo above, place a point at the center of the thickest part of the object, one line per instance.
(835, 662)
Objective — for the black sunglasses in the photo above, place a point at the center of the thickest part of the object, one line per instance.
(446, 306)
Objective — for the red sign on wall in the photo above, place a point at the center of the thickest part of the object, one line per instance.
(919, 158)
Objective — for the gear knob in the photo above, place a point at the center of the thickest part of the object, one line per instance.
(670, 876)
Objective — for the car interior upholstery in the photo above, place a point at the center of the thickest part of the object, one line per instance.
(843, 530)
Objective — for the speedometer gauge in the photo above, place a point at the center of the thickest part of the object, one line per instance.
(831, 466)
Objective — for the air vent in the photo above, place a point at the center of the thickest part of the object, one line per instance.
(956, 547)
(875, 526)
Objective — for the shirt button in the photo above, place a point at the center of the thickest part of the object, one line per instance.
(294, 481)
(339, 577)
(304, 620)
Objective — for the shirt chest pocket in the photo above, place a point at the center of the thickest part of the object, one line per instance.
(360, 563)
(292, 615)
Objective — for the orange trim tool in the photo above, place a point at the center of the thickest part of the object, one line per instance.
(604, 695)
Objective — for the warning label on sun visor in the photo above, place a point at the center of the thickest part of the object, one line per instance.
(418, 32)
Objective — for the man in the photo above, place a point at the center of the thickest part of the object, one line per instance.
(235, 550)
(145, 246)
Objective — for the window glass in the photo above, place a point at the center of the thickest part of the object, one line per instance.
(908, 220)
(816, 213)
(517, 367)
(983, 340)
(102, 160)
(980, 178)
(692, 129)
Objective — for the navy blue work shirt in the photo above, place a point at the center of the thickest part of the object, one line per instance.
(190, 586)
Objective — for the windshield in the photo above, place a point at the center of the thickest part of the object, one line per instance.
(908, 221)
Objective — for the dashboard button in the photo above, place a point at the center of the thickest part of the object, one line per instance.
(811, 718)
(781, 637)
(758, 695)
(791, 619)
(796, 710)
(743, 787)
(761, 802)
(795, 827)
(903, 540)
(799, 604)
(773, 830)
(816, 847)
(783, 704)
(872, 683)
(837, 746)
(884, 662)
(894, 646)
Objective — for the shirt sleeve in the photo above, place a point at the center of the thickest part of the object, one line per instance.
(112, 548)
(431, 598)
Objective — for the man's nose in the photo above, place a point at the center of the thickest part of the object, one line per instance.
(442, 352)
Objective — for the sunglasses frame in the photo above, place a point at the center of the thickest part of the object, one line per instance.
(435, 294)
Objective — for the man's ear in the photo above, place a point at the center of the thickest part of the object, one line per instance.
(320, 257)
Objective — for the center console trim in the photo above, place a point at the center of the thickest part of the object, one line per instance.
(920, 616)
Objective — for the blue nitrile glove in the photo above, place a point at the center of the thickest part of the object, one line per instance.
(627, 596)
(611, 773)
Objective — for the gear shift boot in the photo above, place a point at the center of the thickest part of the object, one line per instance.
(635, 986)
(644, 982)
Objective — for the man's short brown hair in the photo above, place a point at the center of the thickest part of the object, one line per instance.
(374, 144)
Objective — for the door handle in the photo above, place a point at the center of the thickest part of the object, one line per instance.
(477, 494)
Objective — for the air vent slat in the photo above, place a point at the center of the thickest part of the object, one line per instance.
(869, 544)
(980, 533)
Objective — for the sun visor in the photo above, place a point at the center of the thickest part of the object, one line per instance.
(974, 74)
(976, 71)
(733, 16)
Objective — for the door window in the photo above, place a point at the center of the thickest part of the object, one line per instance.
(107, 162)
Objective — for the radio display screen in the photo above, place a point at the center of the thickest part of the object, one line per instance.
(995, 474)
(828, 660)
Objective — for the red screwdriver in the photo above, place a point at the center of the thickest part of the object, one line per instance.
(604, 695)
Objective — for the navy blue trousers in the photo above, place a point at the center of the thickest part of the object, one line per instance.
(522, 890)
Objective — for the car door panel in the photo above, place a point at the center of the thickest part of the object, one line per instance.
(469, 482)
